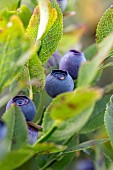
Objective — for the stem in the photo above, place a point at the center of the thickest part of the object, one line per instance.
(48, 163)
(108, 88)
(47, 135)
(30, 92)
(30, 87)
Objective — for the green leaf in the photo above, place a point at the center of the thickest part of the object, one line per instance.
(87, 144)
(76, 120)
(41, 21)
(15, 50)
(69, 127)
(23, 11)
(89, 69)
(41, 100)
(15, 159)
(108, 119)
(90, 52)
(24, 14)
(105, 26)
(109, 64)
(97, 118)
(32, 74)
(29, 165)
(17, 128)
(50, 40)
(33, 26)
(73, 103)
(62, 162)
(11, 5)
(48, 16)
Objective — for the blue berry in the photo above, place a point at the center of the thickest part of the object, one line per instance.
(3, 130)
(71, 62)
(57, 82)
(85, 164)
(32, 135)
(62, 4)
(25, 104)
(53, 62)
(33, 132)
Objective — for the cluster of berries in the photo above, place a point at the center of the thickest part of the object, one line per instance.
(60, 81)
(57, 82)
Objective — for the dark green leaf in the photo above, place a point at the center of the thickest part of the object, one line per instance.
(15, 159)
(97, 118)
(62, 162)
(17, 128)
(86, 145)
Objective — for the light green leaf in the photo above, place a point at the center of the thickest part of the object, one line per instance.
(24, 14)
(15, 159)
(32, 74)
(41, 21)
(48, 16)
(50, 40)
(64, 110)
(70, 103)
(32, 29)
(17, 128)
(11, 5)
(105, 26)
(90, 52)
(108, 119)
(89, 69)
(15, 50)
(109, 64)
(69, 127)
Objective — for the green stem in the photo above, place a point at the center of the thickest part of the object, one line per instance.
(47, 135)
(108, 88)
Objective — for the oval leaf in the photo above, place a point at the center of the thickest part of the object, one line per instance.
(17, 128)
(108, 119)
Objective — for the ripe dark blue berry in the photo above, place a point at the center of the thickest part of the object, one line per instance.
(62, 4)
(71, 62)
(32, 135)
(33, 132)
(25, 104)
(53, 62)
(57, 82)
(3, 130)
